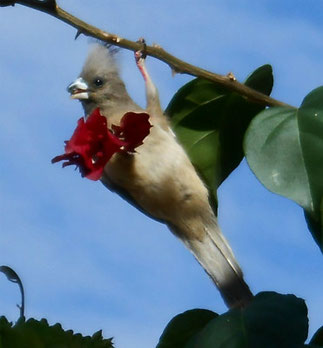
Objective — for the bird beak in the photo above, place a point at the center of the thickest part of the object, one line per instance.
(78, 89)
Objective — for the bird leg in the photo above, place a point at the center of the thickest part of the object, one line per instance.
(140, 57)
(152, 97)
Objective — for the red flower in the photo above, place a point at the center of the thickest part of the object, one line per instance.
(93, 143)
(133, 129)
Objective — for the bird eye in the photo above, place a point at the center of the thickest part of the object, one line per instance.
(98, 82)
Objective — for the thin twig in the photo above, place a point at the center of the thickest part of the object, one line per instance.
(177, 65)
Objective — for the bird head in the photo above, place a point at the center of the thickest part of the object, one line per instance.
(99, 84)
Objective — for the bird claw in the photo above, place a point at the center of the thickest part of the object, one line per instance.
(142, 53)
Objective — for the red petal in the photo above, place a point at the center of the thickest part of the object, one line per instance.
(134, 127)
(91, 146)
(96, 123)
(58, 158)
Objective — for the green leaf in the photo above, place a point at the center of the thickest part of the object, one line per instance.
(10, 274)
(183, 327)
(38, 334)
(271, 320)
(210, 123)
(13, 277)
(318, 338)
(284, 148)
(261, 79)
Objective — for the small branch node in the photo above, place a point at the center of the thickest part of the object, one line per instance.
(231, 76)
(108, 37)
(156, 46)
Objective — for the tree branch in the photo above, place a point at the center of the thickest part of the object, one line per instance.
(177, 65)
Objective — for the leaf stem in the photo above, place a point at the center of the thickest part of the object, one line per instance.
(13, 277)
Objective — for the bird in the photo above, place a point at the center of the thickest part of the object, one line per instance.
(158, 178)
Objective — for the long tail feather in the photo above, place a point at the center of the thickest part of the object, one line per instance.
(214, 254)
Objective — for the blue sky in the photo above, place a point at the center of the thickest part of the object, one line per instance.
(87, 258)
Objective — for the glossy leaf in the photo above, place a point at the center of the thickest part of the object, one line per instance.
(34, 333)
(210, 123)
(318, 338)
(183, 327)
(13, 277)
(284, 148)
(10, 274)
(271, 320)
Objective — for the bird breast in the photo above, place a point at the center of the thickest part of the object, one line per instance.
(159, 177)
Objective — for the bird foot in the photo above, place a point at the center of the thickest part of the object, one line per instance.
(142, 53)
(140, 57)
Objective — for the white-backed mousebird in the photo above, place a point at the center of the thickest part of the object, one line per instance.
(159, 178)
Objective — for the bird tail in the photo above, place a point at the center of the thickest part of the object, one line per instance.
(214, 254)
